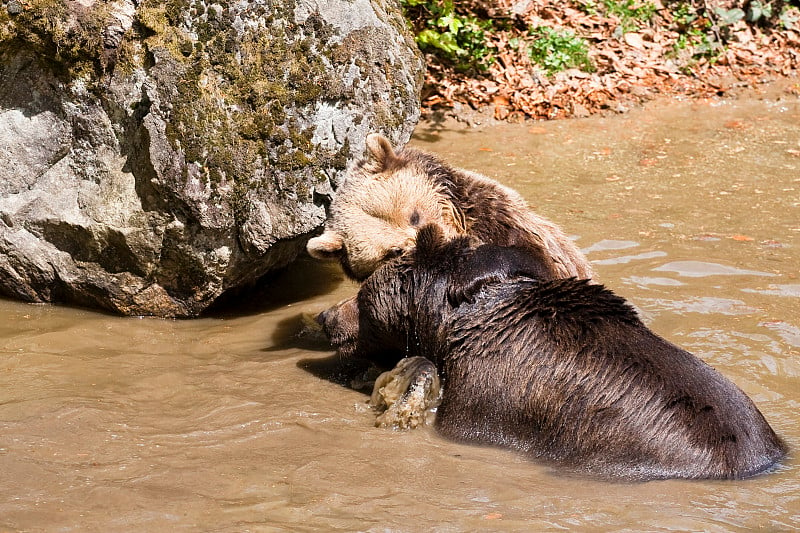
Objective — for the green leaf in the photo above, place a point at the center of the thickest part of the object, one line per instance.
(558, 50)
(728, 17)
(443, 41)
(788, 19)
(757, 10)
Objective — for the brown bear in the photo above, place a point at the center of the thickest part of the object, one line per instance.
(387, 197)
(560, 369)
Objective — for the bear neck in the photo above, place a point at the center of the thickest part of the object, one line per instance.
(422, 317)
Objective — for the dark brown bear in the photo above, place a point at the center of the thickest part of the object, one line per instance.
(560, 369)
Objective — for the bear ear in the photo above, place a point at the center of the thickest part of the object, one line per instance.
(382, 152)
(329, 245)
(430, 238)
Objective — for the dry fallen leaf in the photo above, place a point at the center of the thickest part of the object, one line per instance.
(735, 125)
(635, 40)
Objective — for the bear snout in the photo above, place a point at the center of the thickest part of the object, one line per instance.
(322, 318)
(340, 324)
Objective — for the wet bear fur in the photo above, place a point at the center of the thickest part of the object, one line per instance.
(560, 369)
(387, 197)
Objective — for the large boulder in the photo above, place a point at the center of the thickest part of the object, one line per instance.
(154, 155)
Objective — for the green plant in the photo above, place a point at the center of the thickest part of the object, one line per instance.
(558, 50)
(456, 38)
(758, 11)
(700, 42)
(788, 18)
(588, 6)
(632, 13)
(684, 15)
(728, 17)
(703, 31)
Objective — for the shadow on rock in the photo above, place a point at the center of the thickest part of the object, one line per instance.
(302, 280)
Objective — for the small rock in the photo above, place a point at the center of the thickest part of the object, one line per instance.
(580, 111)
(522, 7)
(14, 7)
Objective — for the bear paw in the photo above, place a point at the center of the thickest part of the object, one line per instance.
(407, 395)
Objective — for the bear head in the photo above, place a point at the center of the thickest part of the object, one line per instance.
(378, 210)
(401, 306)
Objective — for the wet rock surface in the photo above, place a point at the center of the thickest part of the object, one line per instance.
(154, 156)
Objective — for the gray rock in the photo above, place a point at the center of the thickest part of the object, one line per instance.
(186, 149)
(14, 7)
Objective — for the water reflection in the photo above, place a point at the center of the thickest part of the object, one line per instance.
(702, 304)
(644, 281)
(700, 269)
(608, 244)
(789, 333)
(624, 259)
(778, 290)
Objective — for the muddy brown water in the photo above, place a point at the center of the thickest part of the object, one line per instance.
(233, 423)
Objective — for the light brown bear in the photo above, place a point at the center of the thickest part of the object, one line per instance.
(387, 197)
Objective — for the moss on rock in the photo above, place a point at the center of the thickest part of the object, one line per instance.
(238, 87)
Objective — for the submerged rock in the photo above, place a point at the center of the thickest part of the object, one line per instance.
(154, 155)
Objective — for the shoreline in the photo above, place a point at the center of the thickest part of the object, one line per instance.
(463, 116)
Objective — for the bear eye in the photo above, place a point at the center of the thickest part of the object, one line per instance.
(393, 252)
(414, 219)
